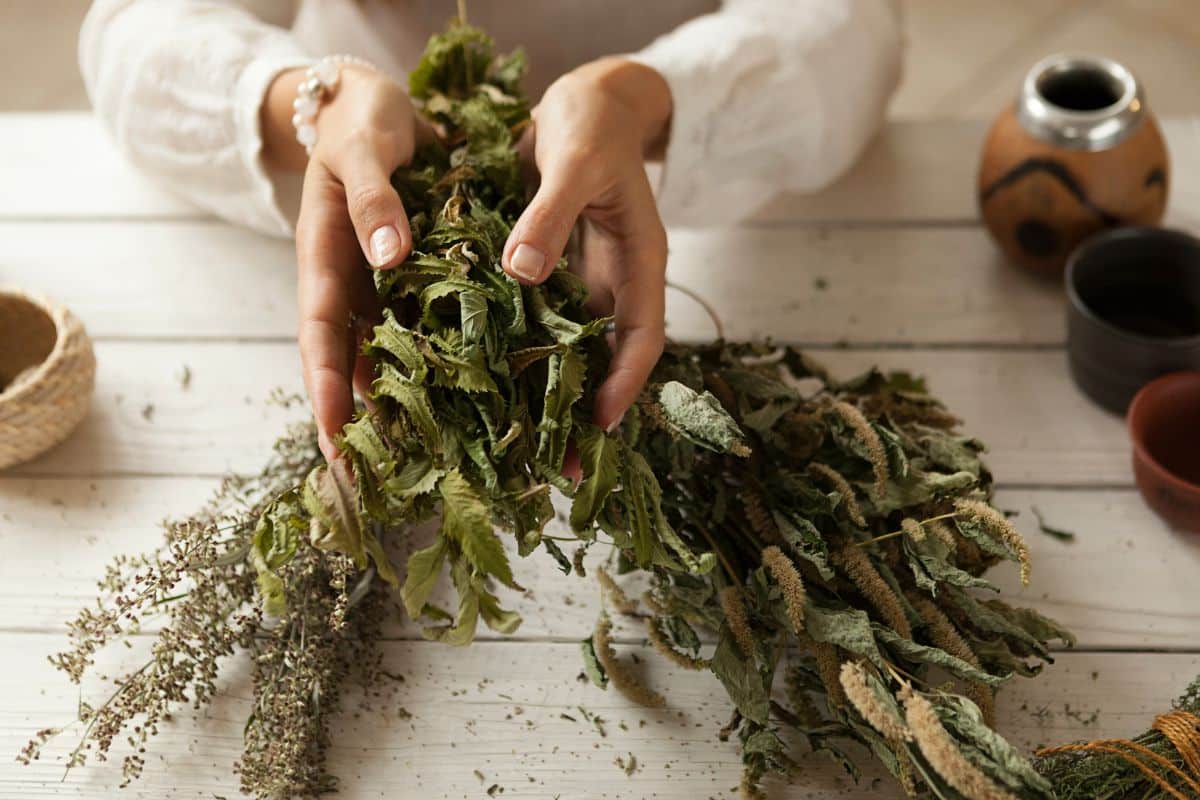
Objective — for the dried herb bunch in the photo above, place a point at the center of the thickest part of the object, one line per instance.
(823, 531)
(846, 543)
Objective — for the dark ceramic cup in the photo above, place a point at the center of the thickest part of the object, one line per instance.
(1164, 424)
(1133, 311)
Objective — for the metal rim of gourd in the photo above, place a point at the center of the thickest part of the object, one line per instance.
(1083, 125)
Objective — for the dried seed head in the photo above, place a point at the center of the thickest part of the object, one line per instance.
(844, 489)
(748, 788)
(651, 602)
(869, 439)
(860, 694)
(757, 515)
(862, 572)
(912, 529)
(619, 673)
(998, 526)
(943, 634)
(736, 619)
(904, 772)
(660, 643)
(943, 533)
(829, 665)
(942, 753)
(577, 561)
(788, 578)
(615, 595)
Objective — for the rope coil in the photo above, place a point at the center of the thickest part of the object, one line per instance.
(1181, 729)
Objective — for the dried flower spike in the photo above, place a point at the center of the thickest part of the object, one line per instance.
(735, 618)
(870, 441)
(844, 489)
(912, 529)
(854, 681)
(618, 671)
(659, 641)
(943, 754)
(943, 533)
(788, 578)
(944, 635)
(998, 525)
(873, 587)
(615, 595)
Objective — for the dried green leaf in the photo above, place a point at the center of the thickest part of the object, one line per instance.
(699, 417)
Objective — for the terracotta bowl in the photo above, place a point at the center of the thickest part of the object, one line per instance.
(1164, 424)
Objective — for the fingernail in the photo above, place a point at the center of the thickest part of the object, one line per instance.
(385, 243)
(527, 261)
(616, 423)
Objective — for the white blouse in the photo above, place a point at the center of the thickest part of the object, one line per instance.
(769, 95)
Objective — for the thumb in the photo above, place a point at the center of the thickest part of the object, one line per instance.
(538, 239)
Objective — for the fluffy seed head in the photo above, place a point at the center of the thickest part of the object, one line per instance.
(998, 525)
(863, 574)
(736, 619)
(912, 529)
(659, 641)
(860, 694)
(616, 596)
(788, 578)
(843, 486)
(869, 439)
(619, 673)
(943, 754)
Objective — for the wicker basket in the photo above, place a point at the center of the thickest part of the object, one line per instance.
(47, 373)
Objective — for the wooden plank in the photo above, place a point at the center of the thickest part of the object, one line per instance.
(926, 171)
(498, 708)
(60, 534)
(63, 166)
(1023, 404)
(192, 279)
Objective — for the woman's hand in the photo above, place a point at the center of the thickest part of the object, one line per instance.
(350, 216)
(592, 132)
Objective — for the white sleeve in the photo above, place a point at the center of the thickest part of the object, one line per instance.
(770, 96)
(178, 84)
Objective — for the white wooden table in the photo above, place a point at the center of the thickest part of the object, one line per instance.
(910, 281)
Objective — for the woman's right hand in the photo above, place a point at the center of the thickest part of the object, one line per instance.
(350, 219)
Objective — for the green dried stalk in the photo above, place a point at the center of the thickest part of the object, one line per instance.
(481, 383)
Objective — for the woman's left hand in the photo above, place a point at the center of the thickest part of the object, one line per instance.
(591, 134)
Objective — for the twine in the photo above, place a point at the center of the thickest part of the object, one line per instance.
(53, 396)
(1182, 730)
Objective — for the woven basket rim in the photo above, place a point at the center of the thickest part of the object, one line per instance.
(59, 316)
